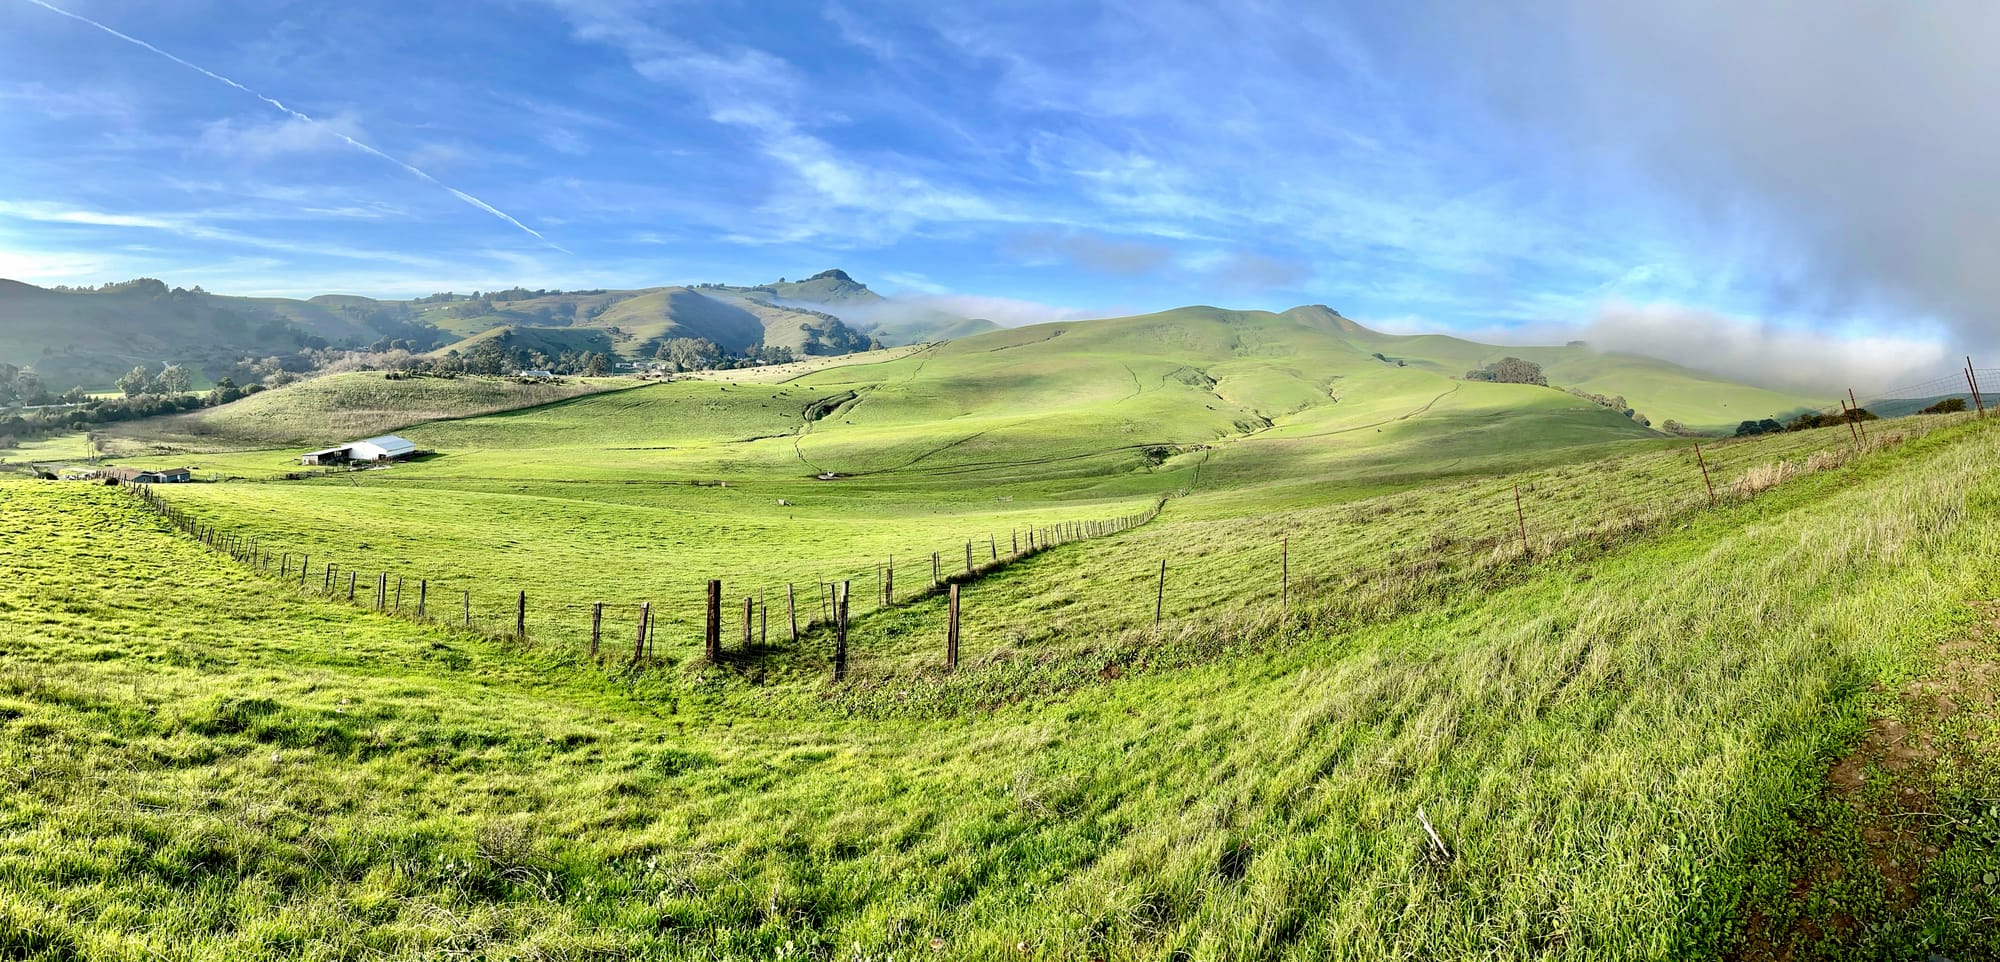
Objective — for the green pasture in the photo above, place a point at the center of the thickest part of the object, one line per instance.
(199, 762)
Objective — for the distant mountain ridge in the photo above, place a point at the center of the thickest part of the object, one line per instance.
(90, 336)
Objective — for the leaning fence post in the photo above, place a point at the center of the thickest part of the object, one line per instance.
(305, 564)
(596, 625)
(712, 638)
(1160, 598)
(1521, 519)
(399, 594)
(951, 634)
(840, 634)
(1703, 462)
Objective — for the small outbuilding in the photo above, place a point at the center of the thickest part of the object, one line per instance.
(388, 447)
(150, 476)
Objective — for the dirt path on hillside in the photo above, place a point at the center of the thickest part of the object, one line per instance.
(1863, 862)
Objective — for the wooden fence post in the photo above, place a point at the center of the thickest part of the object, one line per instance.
(840, 634)
(521, 616)
(889, 583)
(951, 634)
(305, 564)
(763, 619)
(350, 586)
(1856, 405)
(1016, 535)
(934, 569)
(399, 594)
(381, 591)
(824, 590)
(423, 596)
(712, 638)
(639, 646)
(1285, 575)
(596, 625)
(749, 607)
(792, 610)
(326, 581)
(968, 558)
(1972, 378)
(1160, 599)
(1521, 519)
(1703, 462)
(993, 547)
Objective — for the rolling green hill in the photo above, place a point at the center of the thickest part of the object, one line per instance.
(338, 407)
(1615, 742)
(89, 338)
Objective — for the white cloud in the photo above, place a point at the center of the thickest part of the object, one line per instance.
(1004, 311)
(260, 140)
(1749, 350)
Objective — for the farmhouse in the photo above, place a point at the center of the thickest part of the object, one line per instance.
(388, 447)
(152, 476)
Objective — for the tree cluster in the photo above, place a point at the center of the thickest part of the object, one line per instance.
(1615, 402)
(1814, 419)
(1510, 370)
(702, 354)
(1950, 405)
(139, 381)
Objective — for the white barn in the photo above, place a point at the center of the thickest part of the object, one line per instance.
(388, 447)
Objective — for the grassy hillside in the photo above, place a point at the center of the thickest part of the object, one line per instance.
(1612, 746)
(90, 338)
(338, 407)
(1658, 389)
(632, 324)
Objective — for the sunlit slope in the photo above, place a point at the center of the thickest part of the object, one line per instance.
(1658, 389)
(634, 324)
(1125, 392)
(338, 407)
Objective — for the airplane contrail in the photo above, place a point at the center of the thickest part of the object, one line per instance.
(358, 145)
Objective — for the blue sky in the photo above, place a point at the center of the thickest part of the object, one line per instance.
(1414, 168)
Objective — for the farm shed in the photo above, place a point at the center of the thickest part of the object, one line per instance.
(152, 476)
(388, 447)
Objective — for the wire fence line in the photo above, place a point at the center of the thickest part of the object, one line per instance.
(1390, 548)
(791, 610)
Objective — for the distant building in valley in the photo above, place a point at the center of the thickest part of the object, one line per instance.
(388, 447)
(151, 475)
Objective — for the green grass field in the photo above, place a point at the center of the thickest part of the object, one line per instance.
(203, 762)
(1614, 697)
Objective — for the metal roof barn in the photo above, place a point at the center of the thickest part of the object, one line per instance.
(388, 447)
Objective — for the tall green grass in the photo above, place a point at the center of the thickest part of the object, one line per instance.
(197, 763)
